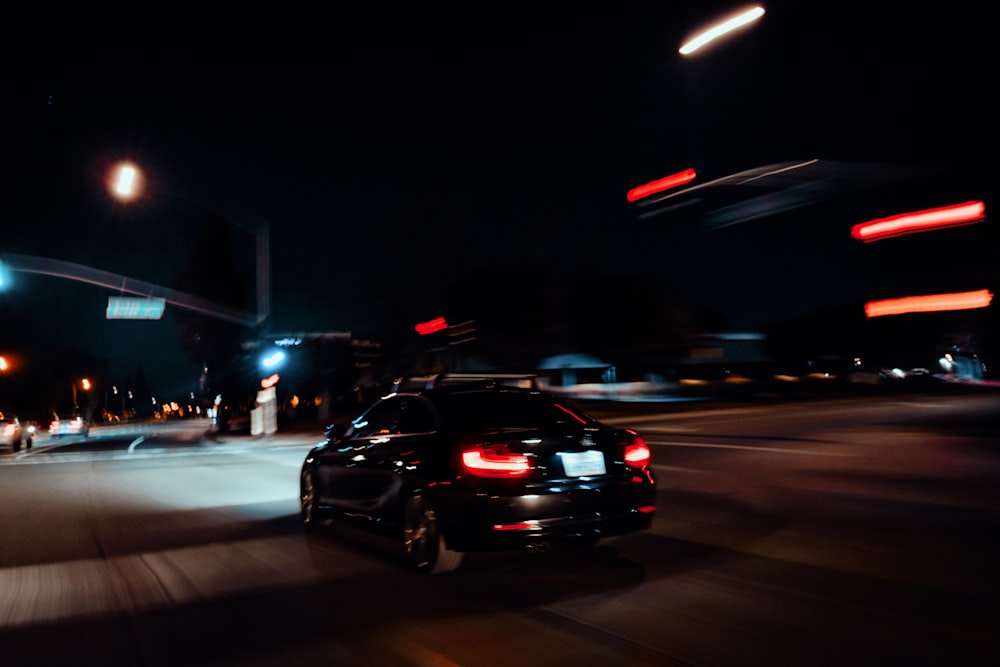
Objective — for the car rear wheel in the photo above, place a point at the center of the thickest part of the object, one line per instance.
(16, 445)
(423, 542)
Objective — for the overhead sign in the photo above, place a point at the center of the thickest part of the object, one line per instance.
(134, 308)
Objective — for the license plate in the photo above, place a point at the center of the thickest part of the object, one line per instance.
(583, 464)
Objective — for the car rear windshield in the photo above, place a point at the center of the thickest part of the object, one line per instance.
(502, 409)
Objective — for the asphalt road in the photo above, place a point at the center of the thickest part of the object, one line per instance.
(823, 532)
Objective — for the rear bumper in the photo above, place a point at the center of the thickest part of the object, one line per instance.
(484, 522)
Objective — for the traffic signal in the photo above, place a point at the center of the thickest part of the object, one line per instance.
(431, 326)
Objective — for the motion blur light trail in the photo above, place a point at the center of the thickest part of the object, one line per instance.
(661, 184)
(929, 303)
(920, 221)
(720, 29)
(431, 326)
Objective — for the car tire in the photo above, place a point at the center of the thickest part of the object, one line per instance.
(308, 502)
(16, 445)
(423, 542)
(27, 443)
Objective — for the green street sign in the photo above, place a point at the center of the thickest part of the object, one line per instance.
(133, 308)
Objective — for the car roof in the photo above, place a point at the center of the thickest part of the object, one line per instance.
(466, 379)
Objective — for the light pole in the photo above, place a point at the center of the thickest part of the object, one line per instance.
(126, 185)
(85, 385)
(4, 367)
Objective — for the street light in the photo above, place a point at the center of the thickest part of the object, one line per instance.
(4, 367)
(126, 182)
(85, 385)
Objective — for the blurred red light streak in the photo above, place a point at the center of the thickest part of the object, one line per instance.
(437, 324)
(659, 185)
(919, 221)
(929, 303)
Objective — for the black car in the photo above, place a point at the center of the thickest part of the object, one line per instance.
(479, 465)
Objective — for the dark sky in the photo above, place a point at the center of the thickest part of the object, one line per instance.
(394, 152)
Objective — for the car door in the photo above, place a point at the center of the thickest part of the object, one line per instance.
(363, 474)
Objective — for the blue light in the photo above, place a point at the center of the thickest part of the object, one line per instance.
(272, 359)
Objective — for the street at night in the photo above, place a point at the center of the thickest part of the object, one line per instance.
(841, 531)
(299, 314)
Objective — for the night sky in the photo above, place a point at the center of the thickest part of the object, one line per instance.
(399, 155)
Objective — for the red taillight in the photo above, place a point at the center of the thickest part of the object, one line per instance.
(494, 461)
(523, 525)
(637, 453)
(8, 429)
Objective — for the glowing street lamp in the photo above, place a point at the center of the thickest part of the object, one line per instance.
(126, 182)
(85, 385)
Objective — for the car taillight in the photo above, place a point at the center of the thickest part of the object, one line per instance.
(637, 454)
(494, 461)
(8, 429)
(53, 425)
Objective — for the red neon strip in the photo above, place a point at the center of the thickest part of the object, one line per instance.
(920, 221)
(929, 304)
(665, 183)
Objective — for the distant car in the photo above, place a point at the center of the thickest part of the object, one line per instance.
(478, 465)
(64, 426)
(14, 433)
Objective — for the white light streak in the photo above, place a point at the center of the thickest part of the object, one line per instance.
(721, 29)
